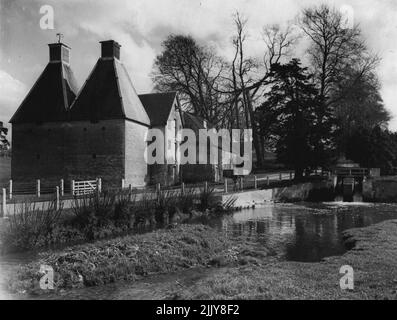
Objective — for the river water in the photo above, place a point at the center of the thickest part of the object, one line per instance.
(305, 232)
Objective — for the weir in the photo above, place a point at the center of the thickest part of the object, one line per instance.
(348, 181)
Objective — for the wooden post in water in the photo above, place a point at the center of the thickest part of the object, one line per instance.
(255, 183)
(4, 202)
(57, 197)
(38, 188)
(62, 187)
(10, 190)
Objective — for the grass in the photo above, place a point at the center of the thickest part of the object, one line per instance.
(238, 270)
(373, 258)
(104, 216)
(125, 258)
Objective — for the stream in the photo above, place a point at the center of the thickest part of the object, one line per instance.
(305, 232)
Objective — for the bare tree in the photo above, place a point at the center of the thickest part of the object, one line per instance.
(196, 73)
(333, 49)
(249, 77)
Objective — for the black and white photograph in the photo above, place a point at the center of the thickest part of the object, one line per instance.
(199, 154)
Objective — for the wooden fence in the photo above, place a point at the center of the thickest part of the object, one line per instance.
(80, 188)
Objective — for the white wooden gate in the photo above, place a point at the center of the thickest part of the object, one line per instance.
(85, 187)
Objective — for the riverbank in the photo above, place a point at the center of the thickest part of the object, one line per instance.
(197, 262)
(127, 258)
(373, 258)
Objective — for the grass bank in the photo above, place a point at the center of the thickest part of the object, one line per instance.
(373, 258)
(126, 258)
(104, 216)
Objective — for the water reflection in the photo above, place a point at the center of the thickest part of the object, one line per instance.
(303, 232)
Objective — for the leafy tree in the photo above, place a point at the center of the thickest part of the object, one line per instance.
(361, 108)
(304, 127)
(373, 148)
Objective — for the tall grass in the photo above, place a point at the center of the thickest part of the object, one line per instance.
(111, 213)
(30, 225)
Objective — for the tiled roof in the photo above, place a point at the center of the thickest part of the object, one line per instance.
(50, 97)
(109, 94)
(194, 122)
(158, 106)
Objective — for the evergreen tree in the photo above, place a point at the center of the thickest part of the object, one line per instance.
(304, 125)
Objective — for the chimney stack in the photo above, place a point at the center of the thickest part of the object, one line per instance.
(59, 52)
(110, 49)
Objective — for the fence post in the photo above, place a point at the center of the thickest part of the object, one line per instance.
(255, 183)
(225, 185)
(99, 185)
(158, 189)
(130, 191)
(206, 187)
(241, 183)
(62, 187)
(290, 175)
(4, 202)
(268, 180)
(10, 189)
(38, 188)
(57, 197)
(72, 187)
(122, 183)
(281, 176)
(183, 188)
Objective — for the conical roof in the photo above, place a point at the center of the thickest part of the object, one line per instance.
(109, 94)
(50, 97)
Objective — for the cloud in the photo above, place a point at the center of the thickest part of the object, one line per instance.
(12, 92)
(141, 25)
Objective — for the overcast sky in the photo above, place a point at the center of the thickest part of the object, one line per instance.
(141, 25)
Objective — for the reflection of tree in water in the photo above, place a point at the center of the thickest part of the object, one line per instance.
(303, 233)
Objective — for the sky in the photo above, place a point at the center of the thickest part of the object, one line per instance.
(140, 26)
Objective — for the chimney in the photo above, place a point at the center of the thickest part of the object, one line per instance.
(59, 52)
(110, 49)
